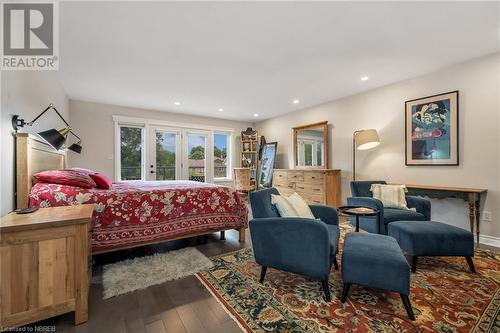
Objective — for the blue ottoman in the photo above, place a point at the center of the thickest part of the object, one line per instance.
(426, 238)
(375, 261)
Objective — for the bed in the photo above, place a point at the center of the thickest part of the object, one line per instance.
(132, 213)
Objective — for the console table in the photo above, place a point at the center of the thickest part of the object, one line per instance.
(470, 195)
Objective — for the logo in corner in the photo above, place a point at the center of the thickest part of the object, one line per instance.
(30, 36)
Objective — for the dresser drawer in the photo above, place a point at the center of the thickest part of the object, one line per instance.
(314, 177)
(295, 176)
(313, 199)
(314, 188)
(284, 190)
(280, 178)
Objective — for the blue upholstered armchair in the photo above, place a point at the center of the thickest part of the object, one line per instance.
(298, 245)
(362, 196)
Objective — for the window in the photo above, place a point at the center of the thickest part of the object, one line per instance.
(131, 153)
(222, 147)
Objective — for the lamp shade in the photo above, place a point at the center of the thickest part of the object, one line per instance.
(55, 138)
(367, 139)
(76, 147)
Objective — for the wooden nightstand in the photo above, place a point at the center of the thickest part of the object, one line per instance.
(44, 264)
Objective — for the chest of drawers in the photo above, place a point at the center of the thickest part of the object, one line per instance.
(315, 186)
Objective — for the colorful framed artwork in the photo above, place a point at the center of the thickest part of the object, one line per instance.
(432, 130)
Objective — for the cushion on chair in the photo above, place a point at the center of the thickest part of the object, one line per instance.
(394, 214)
(375, 261)
(426, 238)
(362, 188)
(392, 196)
(292, 206)
(334, 235)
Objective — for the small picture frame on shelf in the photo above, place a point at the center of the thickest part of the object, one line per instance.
(246, 146)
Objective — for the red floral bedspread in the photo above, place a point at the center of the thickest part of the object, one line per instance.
(137, 212)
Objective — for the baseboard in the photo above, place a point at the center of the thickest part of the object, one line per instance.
(489, 240)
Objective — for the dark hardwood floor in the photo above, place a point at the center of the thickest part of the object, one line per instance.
(184, 305)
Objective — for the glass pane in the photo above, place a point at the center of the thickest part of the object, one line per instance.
(220, 155)
(131, 153)
(319, 153)
(165, 155)
(196, 157)
(308, 154)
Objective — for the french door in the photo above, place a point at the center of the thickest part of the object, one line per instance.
(177, 153)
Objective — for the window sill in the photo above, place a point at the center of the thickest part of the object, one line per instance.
(222, 180)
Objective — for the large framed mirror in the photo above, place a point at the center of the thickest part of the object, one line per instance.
(310, 146)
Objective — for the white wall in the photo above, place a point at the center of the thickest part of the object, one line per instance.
(93, 122)
(25, 93)
(383, 109)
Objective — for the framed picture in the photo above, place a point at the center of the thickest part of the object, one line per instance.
(266, 165)
(431, 125)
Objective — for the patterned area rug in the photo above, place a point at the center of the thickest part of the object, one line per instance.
(445, 296)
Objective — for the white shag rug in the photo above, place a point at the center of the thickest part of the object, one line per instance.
(139, 273)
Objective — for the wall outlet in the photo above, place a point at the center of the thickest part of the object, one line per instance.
(487, 216)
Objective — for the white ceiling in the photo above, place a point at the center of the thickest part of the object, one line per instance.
(258, 57)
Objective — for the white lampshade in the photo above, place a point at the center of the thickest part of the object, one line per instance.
(367, 139)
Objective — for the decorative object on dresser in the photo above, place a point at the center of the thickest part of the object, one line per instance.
(431, 125)
(310, 146)
(45, 264)
(249, 150)
(315, 186)
(55, 138)
(363, 140)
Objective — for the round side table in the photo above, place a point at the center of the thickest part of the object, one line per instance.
(359, 211)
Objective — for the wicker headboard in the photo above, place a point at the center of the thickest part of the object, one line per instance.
(32, 156)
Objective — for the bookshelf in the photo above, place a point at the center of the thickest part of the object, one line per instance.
(249, 154)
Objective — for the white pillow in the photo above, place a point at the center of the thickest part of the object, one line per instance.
(392, 196)
(292, 206)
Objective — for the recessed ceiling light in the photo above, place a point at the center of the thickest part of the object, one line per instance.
(296, 101)
(177, 103)
(364, 78)
(255, 115)
(221, 109)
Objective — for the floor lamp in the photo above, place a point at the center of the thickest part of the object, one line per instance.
(363, 140)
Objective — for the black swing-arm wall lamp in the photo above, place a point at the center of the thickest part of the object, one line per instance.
(55, 138)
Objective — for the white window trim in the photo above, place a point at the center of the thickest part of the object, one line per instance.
(118, 173)
(146, 124)
(229, 172)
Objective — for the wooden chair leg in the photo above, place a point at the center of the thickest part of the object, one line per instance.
(407, 304)
(326, 290)
(414, 264)
(222, 235)
(471, 264)
(345, 292)
(335, 263)
(262, 274)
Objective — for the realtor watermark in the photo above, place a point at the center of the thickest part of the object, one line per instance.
(30, 35)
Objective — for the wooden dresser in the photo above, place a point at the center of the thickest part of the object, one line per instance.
(44, 267)
(315, 186)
